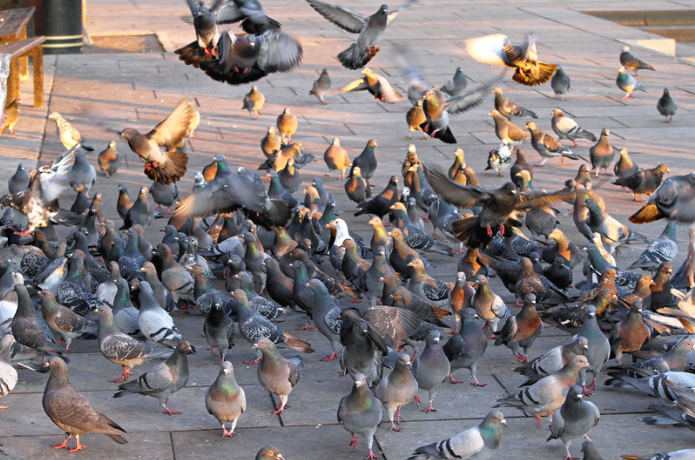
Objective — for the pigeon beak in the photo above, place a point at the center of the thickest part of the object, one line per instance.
(254, 346)
(503, 422)
(280, 457)
(122, 133)
(306, 284)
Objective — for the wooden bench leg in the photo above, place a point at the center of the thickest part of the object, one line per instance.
(13, 81)
(23, 61)
(37, 58)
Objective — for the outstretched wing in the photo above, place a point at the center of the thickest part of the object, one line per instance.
(392, 15)
(472, 98)
(463, 196)
(170, 133)
(342, 17)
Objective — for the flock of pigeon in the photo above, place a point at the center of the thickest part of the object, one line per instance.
(244, 255)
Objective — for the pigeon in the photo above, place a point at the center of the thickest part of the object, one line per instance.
(376, 85)
(71, 411)
(497, 50)
(369, 28)
(64, 322)
(164, 195)
(69, 135)
(253, 102)
(489, 306)
(500, 158)
(218, 328)
(120, 348)
(630, 62)
(225, 399)
(508, 108)
(664, 248)
(548, 147)
(380, 204)
(336, 158)
(506, 130)
(287, 125)
(672, 199)
(522, 329)
(683, 454)
(162, 380)
(415, 117)
(360, 413)
(465, 348)
(560, 83)
(19, 181)
(81, 173)
(590, 452)
(26, 328)
(204, 20)
(667, 106)
(397, 389)
(12, 113)
(456, 84)
(602, 153)
(8, 374)
(364, 349)
(250, 57)
(567, 128)
(271, 142)
(326, 315)
(478, 443)
(599, 347)
(548, 394)
(625, 167)
(627, 83)
(125, 315)
(269, 453)
(321, 86)
(366, 161)
(645, 181)
(277, 374)
(431, 368)
(612, 232)
(574, 419)
(553, 360)
(154, 322)
(629, 335)
(163, 166)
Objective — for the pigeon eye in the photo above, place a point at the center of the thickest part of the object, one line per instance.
(53, 363)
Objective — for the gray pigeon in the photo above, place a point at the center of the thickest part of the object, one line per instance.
(370, 29)
(664, 248)
(553, 360)
(397, 390)
(326, 316)
(613, 233)
(548, 394)
(360, 413)
(630, 62)
(627, 83)
(163, 379)
(590, 452)
(478, 443)
(321, 86)
(225, 399)
(431, 368)
(269, 453)
(8, 374)
(164, 195)
(574, 419)
(82, 173)
(277, 374)
(685, 454)
(218, 328)
(456, 84)
(560, 83)
(465, 349)
(19, 180)
(673, 199)
(599, 347)
(27, 329)
(154, 322)
(125, 315)
(120, 348)
(364, 349)
(71, 411)
(667, 106)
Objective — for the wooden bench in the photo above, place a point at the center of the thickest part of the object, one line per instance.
(23, 48)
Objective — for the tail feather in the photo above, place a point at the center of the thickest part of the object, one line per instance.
(296, 344)
(647, 214)
(444, 135)
(170, 171)
(584, 134)
(355, 58)
(118, 439)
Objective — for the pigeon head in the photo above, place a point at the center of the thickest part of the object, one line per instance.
(557, 113)
(403, 360)
(57, 366)
(433, 336)
(269, 452)
(471, 313)
(227, 368)
(263, 343)
(184, 346)
(496, 417)
(128, 134)
(360, 380)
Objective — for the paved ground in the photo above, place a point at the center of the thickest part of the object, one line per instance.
(103, 93)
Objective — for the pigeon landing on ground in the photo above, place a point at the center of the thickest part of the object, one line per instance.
(497, 50)
(478, 443)
(162, 380)
(68, 134)
(667, 106)
(377, 86)
(321, 86)
(630, 62)
(360, 413)
(574, 419)
(250, 57)
(71, 411)
(168, 165)
(560, 83)
(370, 29)
(277, 374)
(627, 83)
(225, 399)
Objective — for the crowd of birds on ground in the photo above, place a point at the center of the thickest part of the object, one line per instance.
(268, 249)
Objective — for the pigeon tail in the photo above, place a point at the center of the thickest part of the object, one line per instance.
(170, 171)
(355, 58)
(444, 135)
(193, 54)
(296, 344)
